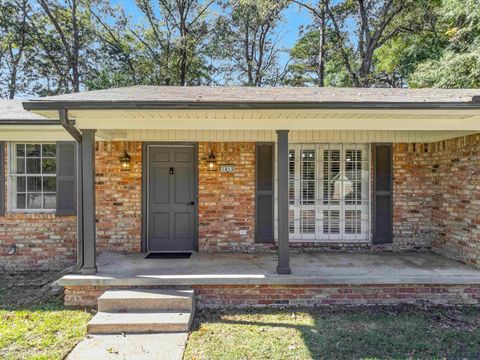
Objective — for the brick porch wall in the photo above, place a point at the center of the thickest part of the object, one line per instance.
(436, 203)
(413, 192)
(226, 201)
(118, 197)
(456, 202)
(238, 296)
(437, 197)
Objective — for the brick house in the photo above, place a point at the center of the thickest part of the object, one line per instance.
(147, 170)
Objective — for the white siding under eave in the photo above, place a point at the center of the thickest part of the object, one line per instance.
(358, 136)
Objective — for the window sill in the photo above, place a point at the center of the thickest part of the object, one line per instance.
(32, 211)
(321, 241)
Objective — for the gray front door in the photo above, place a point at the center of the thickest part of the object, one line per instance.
(171, 197)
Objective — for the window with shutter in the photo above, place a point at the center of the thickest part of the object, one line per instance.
(329, 192)
(33, 176)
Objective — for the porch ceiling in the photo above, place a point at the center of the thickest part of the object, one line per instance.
(272, 119)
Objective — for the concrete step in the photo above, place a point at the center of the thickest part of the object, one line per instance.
(134, 300)
(139, 322)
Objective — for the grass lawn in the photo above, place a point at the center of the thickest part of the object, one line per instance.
(33, 322)
(337, 333)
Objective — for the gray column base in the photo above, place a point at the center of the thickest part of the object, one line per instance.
(284, 270)
(89, 270)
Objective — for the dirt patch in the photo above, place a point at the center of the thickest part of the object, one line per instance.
(18, 289)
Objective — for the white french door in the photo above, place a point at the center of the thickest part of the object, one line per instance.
(329, 192)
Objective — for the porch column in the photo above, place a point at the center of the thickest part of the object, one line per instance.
(283, 266)
(88, 199)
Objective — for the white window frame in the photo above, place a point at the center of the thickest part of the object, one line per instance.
(13, 174)
(296, 206)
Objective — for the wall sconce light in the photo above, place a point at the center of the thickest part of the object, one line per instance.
(125, 161)
(211, 162)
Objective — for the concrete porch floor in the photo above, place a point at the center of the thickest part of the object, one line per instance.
(251, 269)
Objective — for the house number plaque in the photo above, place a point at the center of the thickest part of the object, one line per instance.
(227, 168)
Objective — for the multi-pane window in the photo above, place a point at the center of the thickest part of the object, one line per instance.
(33, 176)
(329, 192)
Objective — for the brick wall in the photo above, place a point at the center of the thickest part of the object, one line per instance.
(436, 203)
(240, 296)
(413, 192)
(226, 201)
(43, 241)
(46, 241)
(118, 197)
(437, 197)
(456, 202)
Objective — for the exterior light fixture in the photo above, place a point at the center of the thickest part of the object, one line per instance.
(211, 162)
(125, 161)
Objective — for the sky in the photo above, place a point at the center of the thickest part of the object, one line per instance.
(294, 17)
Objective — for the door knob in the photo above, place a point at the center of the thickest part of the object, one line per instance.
(191, 203)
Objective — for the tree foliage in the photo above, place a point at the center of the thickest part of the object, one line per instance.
(59, 46)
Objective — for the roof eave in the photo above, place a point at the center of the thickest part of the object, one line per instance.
(38, 105)
(29, 122)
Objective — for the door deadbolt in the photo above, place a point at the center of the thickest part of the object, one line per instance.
(171, 171)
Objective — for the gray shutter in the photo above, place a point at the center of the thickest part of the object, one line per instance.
(383, 191)
(264, 196)
(66, 178)
(2, 178)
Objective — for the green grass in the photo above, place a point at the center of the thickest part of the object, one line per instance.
(405, 332)
(34, 324)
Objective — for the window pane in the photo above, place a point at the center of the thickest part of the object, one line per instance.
(34, 201)
(49, 166)
(21, 186)
(49, 201)
(20, 166)
(49, 150)
(353, 223)
(33, 150)
(20, 149)
(20, 201)
(331, 222)
(34, 184)
(308, 177)
(49, 184)
(291, 176)
(307, 224)
(33, 166)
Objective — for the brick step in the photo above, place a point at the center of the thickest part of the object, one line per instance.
(140, 322)
(138, 300)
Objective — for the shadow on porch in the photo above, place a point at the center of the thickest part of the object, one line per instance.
(259, 269)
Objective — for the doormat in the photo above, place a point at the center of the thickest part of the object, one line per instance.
(168, 256)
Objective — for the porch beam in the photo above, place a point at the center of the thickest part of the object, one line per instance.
(283, 266)
(88, 199)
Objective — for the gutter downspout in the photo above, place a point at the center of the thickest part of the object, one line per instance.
(75, 133)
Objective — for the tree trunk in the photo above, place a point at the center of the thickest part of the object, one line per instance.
(76, 49)
(321, 50)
